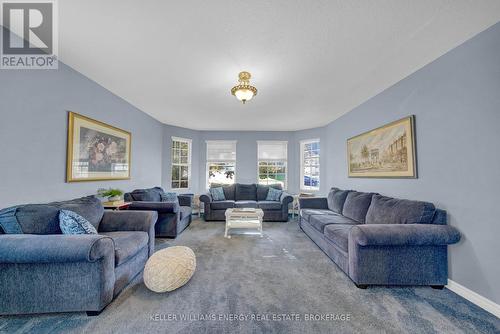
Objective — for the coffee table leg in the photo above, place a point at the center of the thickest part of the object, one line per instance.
(225, 233)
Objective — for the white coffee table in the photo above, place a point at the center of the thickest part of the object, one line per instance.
(243, 218)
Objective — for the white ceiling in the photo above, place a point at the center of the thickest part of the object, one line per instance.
(312, 61)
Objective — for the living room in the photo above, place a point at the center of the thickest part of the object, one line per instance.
(249, 167)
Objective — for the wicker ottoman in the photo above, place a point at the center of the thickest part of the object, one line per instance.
(169, 269)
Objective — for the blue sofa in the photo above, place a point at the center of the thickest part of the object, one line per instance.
(247, 196)
(43, 270)
(173, 217)
(378, 240)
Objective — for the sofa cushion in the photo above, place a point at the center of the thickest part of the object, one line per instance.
(147, 195)
(88, 207)
(31, 219)
(336, 198)
(387, 210)
(185, 211)
(246, 192)
(127, 244)
(335, 219)
(168, 197)
(245, 204)
(8, 221)
(338, 234)
(356, 205)
(319, 222)
(72, 223)
(307, 213)
(228, 190)
(274, 194)
(269, 205)
(217, 194)
(222, 205)
(263, 190)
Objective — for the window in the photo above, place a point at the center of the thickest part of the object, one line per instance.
(181, 163)
(272, 165)
(221, 162)
(309, 164)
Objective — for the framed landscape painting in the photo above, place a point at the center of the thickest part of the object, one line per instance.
(385, 152)
(96, 151)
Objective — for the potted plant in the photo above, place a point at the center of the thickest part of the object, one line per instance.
(111, 194)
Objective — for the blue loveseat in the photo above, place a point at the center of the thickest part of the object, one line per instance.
(43, 270)
(378, 240)
(173, 217)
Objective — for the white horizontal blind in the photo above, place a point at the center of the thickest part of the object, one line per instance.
(221, 150)
(272, 150)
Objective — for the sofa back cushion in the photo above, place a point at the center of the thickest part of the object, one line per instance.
(228, 190)
(30, 219)
(88, 207)
(336, 199)
(387, 210)
(356, 205)
(245, 192)
(145, 195)
(263, 190)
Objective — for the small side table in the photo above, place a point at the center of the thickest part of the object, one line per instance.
(116, 206)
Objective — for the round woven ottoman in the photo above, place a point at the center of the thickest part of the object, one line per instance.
(169, 269)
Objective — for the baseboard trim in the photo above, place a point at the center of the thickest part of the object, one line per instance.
(474, 297)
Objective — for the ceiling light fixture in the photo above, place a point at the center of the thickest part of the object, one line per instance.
(244, 91)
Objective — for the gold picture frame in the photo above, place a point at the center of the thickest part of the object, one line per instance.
(96, 151)
(388, 151)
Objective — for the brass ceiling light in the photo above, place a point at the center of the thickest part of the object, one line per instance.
(244, 91)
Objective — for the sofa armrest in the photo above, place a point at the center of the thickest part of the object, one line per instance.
(54, 248)
(403, 235)
(313, 203)
(160, 207)
(286, 198)
(185, 200)
(206, 198)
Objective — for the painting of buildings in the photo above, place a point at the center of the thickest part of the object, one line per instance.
(388, 151)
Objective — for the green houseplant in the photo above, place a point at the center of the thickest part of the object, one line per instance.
(111, 194)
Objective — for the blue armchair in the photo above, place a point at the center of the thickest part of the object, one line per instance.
(44, 271)
(173, 217)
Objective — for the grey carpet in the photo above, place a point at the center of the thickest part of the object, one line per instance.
(282, 273)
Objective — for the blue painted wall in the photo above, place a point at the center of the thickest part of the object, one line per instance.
(34, 108)
(456, 101)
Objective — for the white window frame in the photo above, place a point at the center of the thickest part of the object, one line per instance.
(259, 142)
(302, 165)
(215, 161)
(188, 164)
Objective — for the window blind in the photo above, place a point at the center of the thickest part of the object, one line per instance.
(272, 150)
(221, 150)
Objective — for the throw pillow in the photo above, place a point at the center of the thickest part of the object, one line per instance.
(8, 221)
(72, 223)
(274, 194)
(217, 194)
(168, 196)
